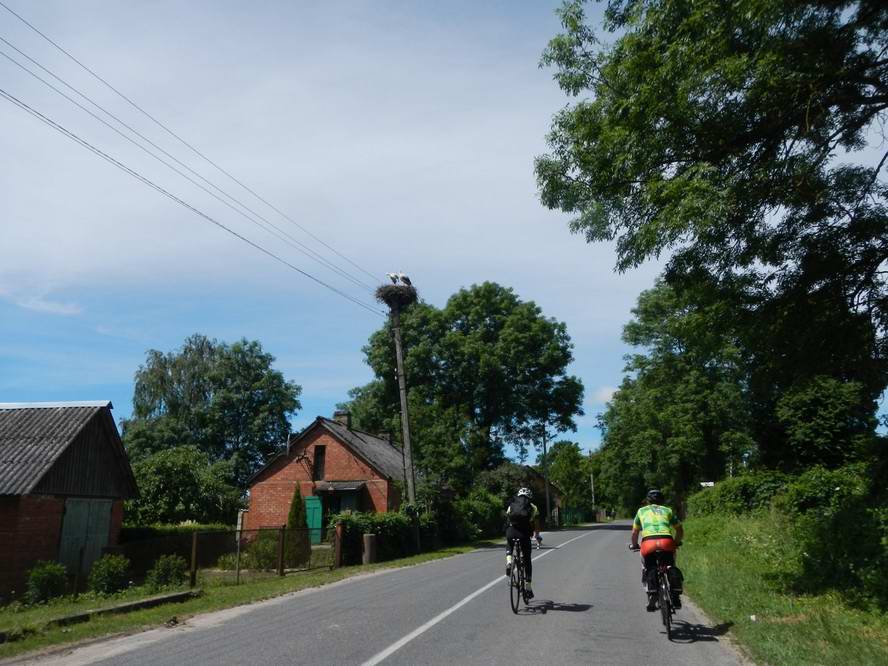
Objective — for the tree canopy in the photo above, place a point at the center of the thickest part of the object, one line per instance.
(729, 134)
(485, 370)
(730, 137)
(181, 483)
(225, 400)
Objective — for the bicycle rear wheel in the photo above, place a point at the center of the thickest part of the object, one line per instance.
(666, 606)
(515, 585)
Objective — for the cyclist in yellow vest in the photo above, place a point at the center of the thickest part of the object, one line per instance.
(661, 531)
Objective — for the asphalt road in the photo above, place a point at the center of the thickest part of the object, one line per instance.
(589, 610)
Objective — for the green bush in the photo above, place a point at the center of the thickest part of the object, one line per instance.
(394, 530)
(109, 574)
(46, 580)
(823, 490)
(486, 512)
(131, 533)
(262, 552)
(297, 543)
(737, 495)
(840, 533)
(429, 534)
(168, 571)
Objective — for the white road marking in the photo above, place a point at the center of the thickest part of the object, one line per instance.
(397, 645)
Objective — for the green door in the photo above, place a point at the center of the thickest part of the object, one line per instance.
(85, 527)
(313, 517)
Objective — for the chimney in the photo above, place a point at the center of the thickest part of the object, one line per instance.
(344, 417)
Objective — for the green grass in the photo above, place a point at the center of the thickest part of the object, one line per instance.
(736, 569)
(30, 632)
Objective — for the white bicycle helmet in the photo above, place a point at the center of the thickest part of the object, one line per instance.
(525, 492)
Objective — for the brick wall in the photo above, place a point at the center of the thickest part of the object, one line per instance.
(30, 528)
(272, 492)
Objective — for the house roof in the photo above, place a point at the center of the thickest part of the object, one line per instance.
(539, 476)
(34, 436)
(378, 452)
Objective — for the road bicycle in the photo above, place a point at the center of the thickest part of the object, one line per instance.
(664, 590)
(517, 589)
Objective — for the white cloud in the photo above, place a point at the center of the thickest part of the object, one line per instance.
(24, 295)
(41, 304)
(603, 394)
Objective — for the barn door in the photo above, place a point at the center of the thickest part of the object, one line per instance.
(313, 517)
(86, 525)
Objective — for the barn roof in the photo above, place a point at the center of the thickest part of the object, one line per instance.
(36, 436)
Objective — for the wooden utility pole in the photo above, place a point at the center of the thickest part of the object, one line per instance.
(402, 390)
(397, 296)
(546, 476)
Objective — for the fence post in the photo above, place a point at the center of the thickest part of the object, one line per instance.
(369, 554)
(193, 559)
(281, 550)
(337, 546)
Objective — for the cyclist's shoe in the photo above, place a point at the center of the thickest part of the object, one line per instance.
(528, 590)
(652, 603)
(508, 565)
(676, 601)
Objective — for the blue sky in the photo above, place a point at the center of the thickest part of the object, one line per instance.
(402, 133)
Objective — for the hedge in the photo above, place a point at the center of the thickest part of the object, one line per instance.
(738, 494)
(480, 514)
(831, 526)
(131, 533)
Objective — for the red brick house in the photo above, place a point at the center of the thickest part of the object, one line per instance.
(337, 469)
(64, 475)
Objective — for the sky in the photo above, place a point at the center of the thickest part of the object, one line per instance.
(402, 134)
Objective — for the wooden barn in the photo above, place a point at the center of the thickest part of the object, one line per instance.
(64, 475)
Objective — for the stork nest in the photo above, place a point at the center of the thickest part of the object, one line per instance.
(396, 295)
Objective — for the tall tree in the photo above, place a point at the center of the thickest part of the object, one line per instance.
(729, 135)
(478, 371)
(181, 483)
(569, 470)
(226, 400)
(682, 414)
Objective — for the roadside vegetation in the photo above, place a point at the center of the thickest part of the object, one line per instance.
(734, 566)
(742, 141)
(794, 564)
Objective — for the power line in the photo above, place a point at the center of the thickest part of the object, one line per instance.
(185, 143)
(304, 248)
(135, 174)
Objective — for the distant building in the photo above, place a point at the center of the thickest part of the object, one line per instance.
(537, 483)
(64, 475)
(337, 469)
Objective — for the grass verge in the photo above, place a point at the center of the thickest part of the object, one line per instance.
(34, 635)
(733, 571)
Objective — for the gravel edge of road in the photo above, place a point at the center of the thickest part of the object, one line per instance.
(729, 640)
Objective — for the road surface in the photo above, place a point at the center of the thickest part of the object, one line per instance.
(589, 610)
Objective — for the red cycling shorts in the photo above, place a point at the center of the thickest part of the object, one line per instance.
(650, 545)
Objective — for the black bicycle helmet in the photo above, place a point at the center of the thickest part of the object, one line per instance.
(655, 496)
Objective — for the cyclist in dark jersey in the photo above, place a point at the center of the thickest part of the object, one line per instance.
(660, 531)
(522, 514)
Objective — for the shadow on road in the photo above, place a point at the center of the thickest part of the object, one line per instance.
(543, 606)
(685, 632)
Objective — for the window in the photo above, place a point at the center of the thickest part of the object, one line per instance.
(318, 471)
